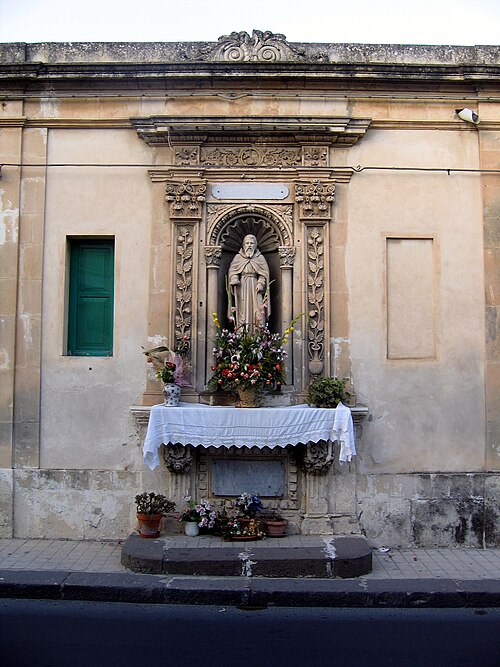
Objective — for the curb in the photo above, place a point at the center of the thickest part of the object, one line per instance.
(249, 591)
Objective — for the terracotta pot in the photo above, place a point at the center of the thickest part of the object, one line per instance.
(275, 528)
(149, 525)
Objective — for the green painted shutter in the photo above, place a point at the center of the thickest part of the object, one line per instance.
(90, 317)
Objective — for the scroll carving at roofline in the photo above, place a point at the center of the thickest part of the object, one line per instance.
(259, 47)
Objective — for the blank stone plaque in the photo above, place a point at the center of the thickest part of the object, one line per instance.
(265, 478)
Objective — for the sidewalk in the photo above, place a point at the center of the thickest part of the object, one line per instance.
(59, 569)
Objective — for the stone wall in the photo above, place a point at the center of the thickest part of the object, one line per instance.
(430, 510)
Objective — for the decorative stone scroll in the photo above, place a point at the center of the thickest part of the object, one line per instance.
(318, 457)
(250, 156)
(315, 199)
(315, 299)
(178, 458)
(261, 46)
(186, 199)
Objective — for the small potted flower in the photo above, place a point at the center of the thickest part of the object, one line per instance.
(151, 508)
(273, 522)
(247, 507)
(196, 515)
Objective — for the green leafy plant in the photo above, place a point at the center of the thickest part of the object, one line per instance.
(153, 503)
(327, 392)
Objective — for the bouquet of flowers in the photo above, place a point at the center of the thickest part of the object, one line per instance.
(248, 505)
(169, 366)
(248, 356)
(202, 513)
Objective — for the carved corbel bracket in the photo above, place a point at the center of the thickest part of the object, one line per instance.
(186, 198)
(318, 458)
(178, 458)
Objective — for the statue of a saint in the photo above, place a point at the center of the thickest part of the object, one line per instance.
(248, 281)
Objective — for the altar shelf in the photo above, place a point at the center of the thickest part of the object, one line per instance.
(220, 426)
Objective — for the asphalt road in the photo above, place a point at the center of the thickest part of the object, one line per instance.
(37, 633)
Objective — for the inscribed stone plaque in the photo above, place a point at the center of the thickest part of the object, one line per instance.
(250, 191)
(232, 477)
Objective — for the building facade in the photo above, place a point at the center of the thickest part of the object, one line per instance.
(130, 174)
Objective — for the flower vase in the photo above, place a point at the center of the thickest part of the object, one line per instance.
(191, 528)
(247, 397)
(171, 393)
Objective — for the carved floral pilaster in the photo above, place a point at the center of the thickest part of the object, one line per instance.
(184, 287)
(178, 458)
(315, 199)
(315, 299)
(186, 199)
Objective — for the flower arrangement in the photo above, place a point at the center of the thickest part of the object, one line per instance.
(248, 505)
(248, 356)
(202, 513)
(152, 503)
(169, 365)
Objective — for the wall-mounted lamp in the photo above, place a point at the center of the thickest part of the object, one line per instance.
(468, 115)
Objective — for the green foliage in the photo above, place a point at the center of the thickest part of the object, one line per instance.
(327, 392)
(152, 503)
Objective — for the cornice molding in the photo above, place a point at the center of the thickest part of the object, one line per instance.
(167, 130)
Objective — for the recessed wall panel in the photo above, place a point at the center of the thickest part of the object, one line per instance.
(410, 298)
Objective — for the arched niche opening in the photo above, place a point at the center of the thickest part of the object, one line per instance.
(268, 242)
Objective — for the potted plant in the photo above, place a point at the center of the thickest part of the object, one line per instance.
(327, 392)
(196, 515)
(151, 507)
(273, 522)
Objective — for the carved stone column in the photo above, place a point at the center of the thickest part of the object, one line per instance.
(213, 256)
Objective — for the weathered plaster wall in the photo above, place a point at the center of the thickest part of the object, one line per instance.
(426, 414)
(78, 391)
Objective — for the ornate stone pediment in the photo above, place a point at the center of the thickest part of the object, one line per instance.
(261, 46)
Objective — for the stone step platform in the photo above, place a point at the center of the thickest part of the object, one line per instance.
(312, 556)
